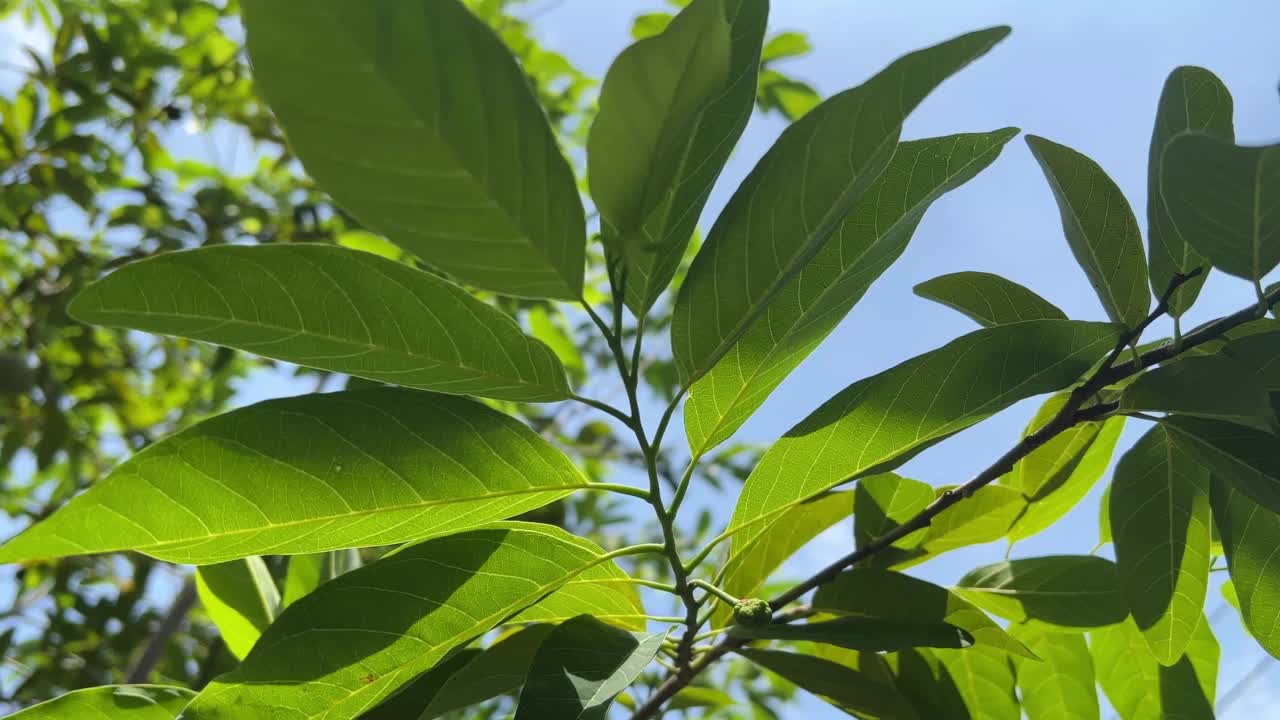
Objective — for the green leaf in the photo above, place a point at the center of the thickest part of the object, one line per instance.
(499, 669)
(863, 633)
(873, 593)
(1072, 592)
(1228, 590)
(745, 572)
(333, 309)
(1193, 99)
(112, 702)
(983, 517)
(1247, 458)
(881, 421)
(613, 599)
(985, 681)
(1160, 517)
(700, 697)
(1100, 228)
(417, 120)
(410, 701)
(1208, 386)
(310, 571)
(672, 107)
(1060, 685)
(872, 236)
(1250, 536)
(241, 599)
(844, 687)
(882, 503)
(1259, 352)
(329, 655)
(1056, 476)
(581, 666)
(1139, 688)
(988, 299)
(1104, 517)
(928, 686)
(1223, 199)
(365, 467)
(785, 45)
(797, 197)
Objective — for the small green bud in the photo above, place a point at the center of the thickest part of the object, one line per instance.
(752, 612)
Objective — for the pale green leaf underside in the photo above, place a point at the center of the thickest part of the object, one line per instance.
(1100, 228)
(358, 468)
(881, 421)
(1208, 386)
(982, 518)
(745, 572)
(1247, 458)
(112, 702)
(334, 309)
(1192, 99)
(1068, 592)
(614, 600)
(580, 667)
(1060, 685)
(882, 503)
(330, 655)
(869, 592)
(1225, 200)
(851, 690)
(241, 598)
(929, 687)
(671, 110)
(797, 197)
(984, 678)
(1250, 536)
(988, 299)
(1139, 688)
(1160, 521)
(308, 572)
(416, 118)
(872, 236)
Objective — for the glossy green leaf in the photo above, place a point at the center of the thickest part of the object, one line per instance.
(1060, 685)
(863, 633)
(1139, 688)
(308, 572)
(112, 702)
(985, 681)
(581, 666)
(844, 687)
(1250, 536)
(327, 654)
(1208, 386)
(868, 592)
(672, 107)
(989, 299)
(408, 703)
(416, 118)
(1056, 476)
(241, 599)
(797, 197)
(872, 236)
(1160, 518)
(1247, 458)
(745, 572)
(1225, 200)
(882, 503)
(333, 309)
(1100, 228)
(1073, 592)
(1193, 99)
(881, 421)
(364, 467)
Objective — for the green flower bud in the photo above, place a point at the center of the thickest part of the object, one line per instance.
(752, 612)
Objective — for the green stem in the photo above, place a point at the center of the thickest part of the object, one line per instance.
(683, 486)
(664, 587)
(1177, 332)
(606, 408)
(641, 549)
(620, 489)
(714, 591)
(665, 619)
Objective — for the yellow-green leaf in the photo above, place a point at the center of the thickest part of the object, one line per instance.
(241, 599)
(988, 299)
(1069, 592)
(112, 702)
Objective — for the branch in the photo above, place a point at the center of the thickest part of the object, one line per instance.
(159, 640)
(1072, 413)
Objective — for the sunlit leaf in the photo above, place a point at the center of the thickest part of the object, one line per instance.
(844, 687)
(332, 309)
(417, 119)
(1250, 536)
(360, 637)
(581, 666)
(112, 702)
(809, 307)
(1160, 518)
(1060, 685)
(1249, 459)
(798, 196)
(988, 299)
(241, 599)
(882, 503)
(308, 572)
(927, 685)
(1072, 592)
(363, 467)
(984, 678)
(700, 697)
(672, 107)
(1193, 99)
(1100, 228)
(408, 703)
(1139, 688)
(1208, 386)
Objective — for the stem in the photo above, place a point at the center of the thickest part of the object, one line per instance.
(683, 486)
(606, 408)
(664, 587)
(159, 640)
(714, 591)
(620, 489)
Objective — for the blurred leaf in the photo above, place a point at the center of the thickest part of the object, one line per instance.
(988, 299)
(112, 702)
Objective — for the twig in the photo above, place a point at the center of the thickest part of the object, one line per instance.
(159, 640)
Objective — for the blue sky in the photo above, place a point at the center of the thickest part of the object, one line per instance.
(1087, 74)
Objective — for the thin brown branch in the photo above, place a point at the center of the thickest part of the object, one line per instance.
(159, 640)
